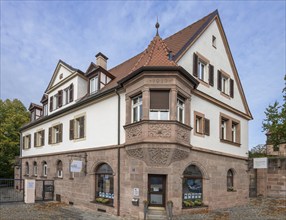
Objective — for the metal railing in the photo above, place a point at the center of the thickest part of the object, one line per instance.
(11, 190)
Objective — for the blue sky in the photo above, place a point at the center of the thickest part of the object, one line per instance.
(36, 34)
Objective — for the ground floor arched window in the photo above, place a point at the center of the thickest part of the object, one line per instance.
(192, 187)
(229, 180)
(59, 169)
(104, 190)
(27, 169)
(35, 168)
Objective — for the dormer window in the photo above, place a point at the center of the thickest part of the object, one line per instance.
(104, 79)
(93, 85)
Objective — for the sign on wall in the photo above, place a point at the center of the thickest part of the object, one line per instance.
(260, 163)
(76, 166)
(136, 192)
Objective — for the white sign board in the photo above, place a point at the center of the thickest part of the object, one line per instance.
(136, 192)
(260, 163)
(76, 166)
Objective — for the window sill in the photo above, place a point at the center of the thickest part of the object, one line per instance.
(43, 177)
(196, 207)
(199, 134)
(79, 139)
(231, 190)
(225, 95)
(203, 82)
(99, 203)
(58, 178)
(230, 142)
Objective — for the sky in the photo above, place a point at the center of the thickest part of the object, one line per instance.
(36, 34)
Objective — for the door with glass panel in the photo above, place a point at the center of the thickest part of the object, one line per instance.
(156, 190)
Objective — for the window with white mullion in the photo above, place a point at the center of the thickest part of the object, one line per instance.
(223, 129)
(93, 85)
(137, 108)
(224, 84)
(180, 110)
(159, 105)
(233, 132)
(201, 70)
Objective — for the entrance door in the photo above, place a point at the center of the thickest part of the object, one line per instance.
(156, 190)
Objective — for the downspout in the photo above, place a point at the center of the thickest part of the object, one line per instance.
(118, 155)
(21, 144)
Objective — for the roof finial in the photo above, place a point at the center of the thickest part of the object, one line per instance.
(157, 26)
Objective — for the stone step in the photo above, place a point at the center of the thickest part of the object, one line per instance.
(156, 214)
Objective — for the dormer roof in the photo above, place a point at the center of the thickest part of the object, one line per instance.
(35, 106)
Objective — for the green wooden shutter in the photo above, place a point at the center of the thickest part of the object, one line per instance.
(60, 98)
(60, 132)
(211, 75)
(71, 129)
(35, 139)
(51, 104)
(207, 127)
(29, 136)
(219, 80)
(23, 143)
(195, 65)
(50, 135)
(81, 124)
(43, 138)
(71, 92)
(231, 88)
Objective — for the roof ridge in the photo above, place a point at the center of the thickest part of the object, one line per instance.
(214, 12)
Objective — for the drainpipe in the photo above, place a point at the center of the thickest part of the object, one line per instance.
(21, 144)
(118, 155)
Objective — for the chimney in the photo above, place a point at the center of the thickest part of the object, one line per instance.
(101, 60)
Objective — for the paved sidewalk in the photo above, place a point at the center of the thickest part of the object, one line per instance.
(257, 209)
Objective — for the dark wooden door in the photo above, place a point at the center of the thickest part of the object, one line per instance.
(156, 190)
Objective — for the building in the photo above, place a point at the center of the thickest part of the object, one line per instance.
(169, 124)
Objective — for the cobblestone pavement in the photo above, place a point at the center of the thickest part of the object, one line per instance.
(257, 209)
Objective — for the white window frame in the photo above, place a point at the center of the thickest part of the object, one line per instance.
(55, 102)
(138, 106)
(45, 169)
(93, 84)
(180, 106)
(159, 114)
(45, 109)
(224, 84)
(233, 132)
(35, 169)
(56, 134)
(201, 70)
(223, 129)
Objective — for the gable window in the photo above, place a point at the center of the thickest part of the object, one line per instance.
(214, 41)
(180, 109)
(56, 102)
(77, 128)
(192, 186)
(229, 129)
(55, 134)
(60, 169)
(201, 124)
(93, 85)
(44, 168)
(26, 169)
(159, 105)
(35, 168)
(104, 184)
(202, 69)
(229, 180)
(39, 138)
(137, 112)
(27, 142)
(225, 84)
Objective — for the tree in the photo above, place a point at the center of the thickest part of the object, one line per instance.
(257, 151)
(275, 122)
(13, 115)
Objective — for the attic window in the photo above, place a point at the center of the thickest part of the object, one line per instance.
(214, 41)
(61, 76)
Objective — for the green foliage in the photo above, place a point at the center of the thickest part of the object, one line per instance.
(275, 122)
(257, 151)
(13, 115)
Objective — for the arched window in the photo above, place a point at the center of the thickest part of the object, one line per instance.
(229, 180)
(27, 169)
(104, 191)
(60, 169)
(44, 168)
(192, 187)
(35, 168)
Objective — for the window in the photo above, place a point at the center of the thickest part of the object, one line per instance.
(104, 79)
(26, 169)
(77, 128)
(44, 168)
(104, 184)
(56, 102)
(159, 105)
(180, 109)
(229, 129)
(225, 84)
(55, 134)
(229, 181)
(214, 41)
(192, 187)
(45, 109)
(93, 85)
(201, 70)
(137, 108)
(39, 138)
(201, 124)
(27, 142)
(60, 169)
(35, 168)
